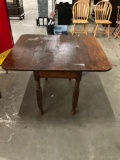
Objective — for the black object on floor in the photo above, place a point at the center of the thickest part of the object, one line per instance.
(50, 26)
(41, 21)
(50, 29)
(64, 13)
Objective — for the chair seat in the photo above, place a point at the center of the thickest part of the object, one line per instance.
(103, 22)
(80, 21)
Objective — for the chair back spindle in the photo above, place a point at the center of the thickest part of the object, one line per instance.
(81, 11)
(103, 10)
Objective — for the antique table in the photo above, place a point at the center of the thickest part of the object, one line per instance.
(61, 56)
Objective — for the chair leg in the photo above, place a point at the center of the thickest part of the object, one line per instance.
(95, 30)
(108, 30)
(105, 27)
(73, 31)
(85, 28)
(116, 32)
(115, 29)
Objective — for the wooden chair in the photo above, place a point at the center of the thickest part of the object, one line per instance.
(117, 28)
(80, 12)
(89, 1)
(102, 12)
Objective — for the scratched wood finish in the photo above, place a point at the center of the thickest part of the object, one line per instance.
(59, 53)
(57, 57)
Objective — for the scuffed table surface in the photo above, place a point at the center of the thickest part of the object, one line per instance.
(60, 53)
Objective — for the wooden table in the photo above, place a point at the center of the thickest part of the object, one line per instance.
(62, 56)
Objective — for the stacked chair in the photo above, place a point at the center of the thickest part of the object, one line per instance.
(117, 28)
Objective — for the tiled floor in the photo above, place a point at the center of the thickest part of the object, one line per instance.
(92, 134)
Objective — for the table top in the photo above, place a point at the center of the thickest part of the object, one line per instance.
(57, 53)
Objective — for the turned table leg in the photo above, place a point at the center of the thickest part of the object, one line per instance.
(76, 93)
(38, 91)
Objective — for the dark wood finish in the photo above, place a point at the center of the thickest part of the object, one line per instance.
(57, 53)
(38, 90)
(76, 92)
(62, 56)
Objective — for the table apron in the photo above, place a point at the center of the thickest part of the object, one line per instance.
(59, 74)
